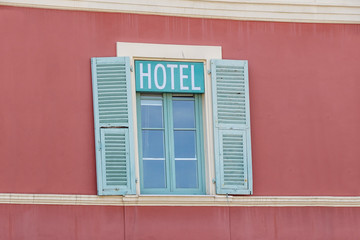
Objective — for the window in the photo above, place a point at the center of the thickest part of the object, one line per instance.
(223, 157)
(170, 140)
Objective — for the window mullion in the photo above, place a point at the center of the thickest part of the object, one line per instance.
(169, 138)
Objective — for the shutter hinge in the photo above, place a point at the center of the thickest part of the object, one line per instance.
(131, 68)
(213, 181)
(209, 71)
(136, 180)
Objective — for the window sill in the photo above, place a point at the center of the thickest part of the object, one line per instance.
(183, 200)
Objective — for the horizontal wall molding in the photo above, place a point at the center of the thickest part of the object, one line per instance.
(206, 200)
(322, 11)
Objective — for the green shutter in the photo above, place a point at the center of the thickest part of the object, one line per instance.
(113, 126)
(232, 143)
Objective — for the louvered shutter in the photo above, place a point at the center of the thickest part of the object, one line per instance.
(232, 144)
(113, 126)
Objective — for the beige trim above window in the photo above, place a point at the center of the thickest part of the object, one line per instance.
(321, 11)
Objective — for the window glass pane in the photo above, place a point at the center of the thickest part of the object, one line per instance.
(151, 113)
(183, 113)
(185, 145)
(154, 173)
(153, 143)
(186, 173)
(179, 155)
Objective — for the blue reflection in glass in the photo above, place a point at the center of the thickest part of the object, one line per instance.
(151, 114)
(154, 173)
(183, 114)
(153, 143)
(185, 145)
(186, 173)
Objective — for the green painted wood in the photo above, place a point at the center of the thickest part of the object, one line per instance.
(115, 162)
(200, 141)
(232, 138)
(113, 114)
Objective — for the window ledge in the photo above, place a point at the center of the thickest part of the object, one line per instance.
(183, 200)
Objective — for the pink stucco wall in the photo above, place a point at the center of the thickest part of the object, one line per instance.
(43, 222)
(304, 96)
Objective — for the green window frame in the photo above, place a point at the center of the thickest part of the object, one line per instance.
(170, 178)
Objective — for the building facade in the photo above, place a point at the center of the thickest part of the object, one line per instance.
(202, 173)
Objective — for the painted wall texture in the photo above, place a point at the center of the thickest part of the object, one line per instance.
(43, 222)
(304, 98)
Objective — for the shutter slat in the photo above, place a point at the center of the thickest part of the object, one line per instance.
(115, 156)
(113, 126)
(231, 127)
(111, 76)
(232, 143)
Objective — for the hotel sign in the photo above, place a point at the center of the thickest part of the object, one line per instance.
(169, 76)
